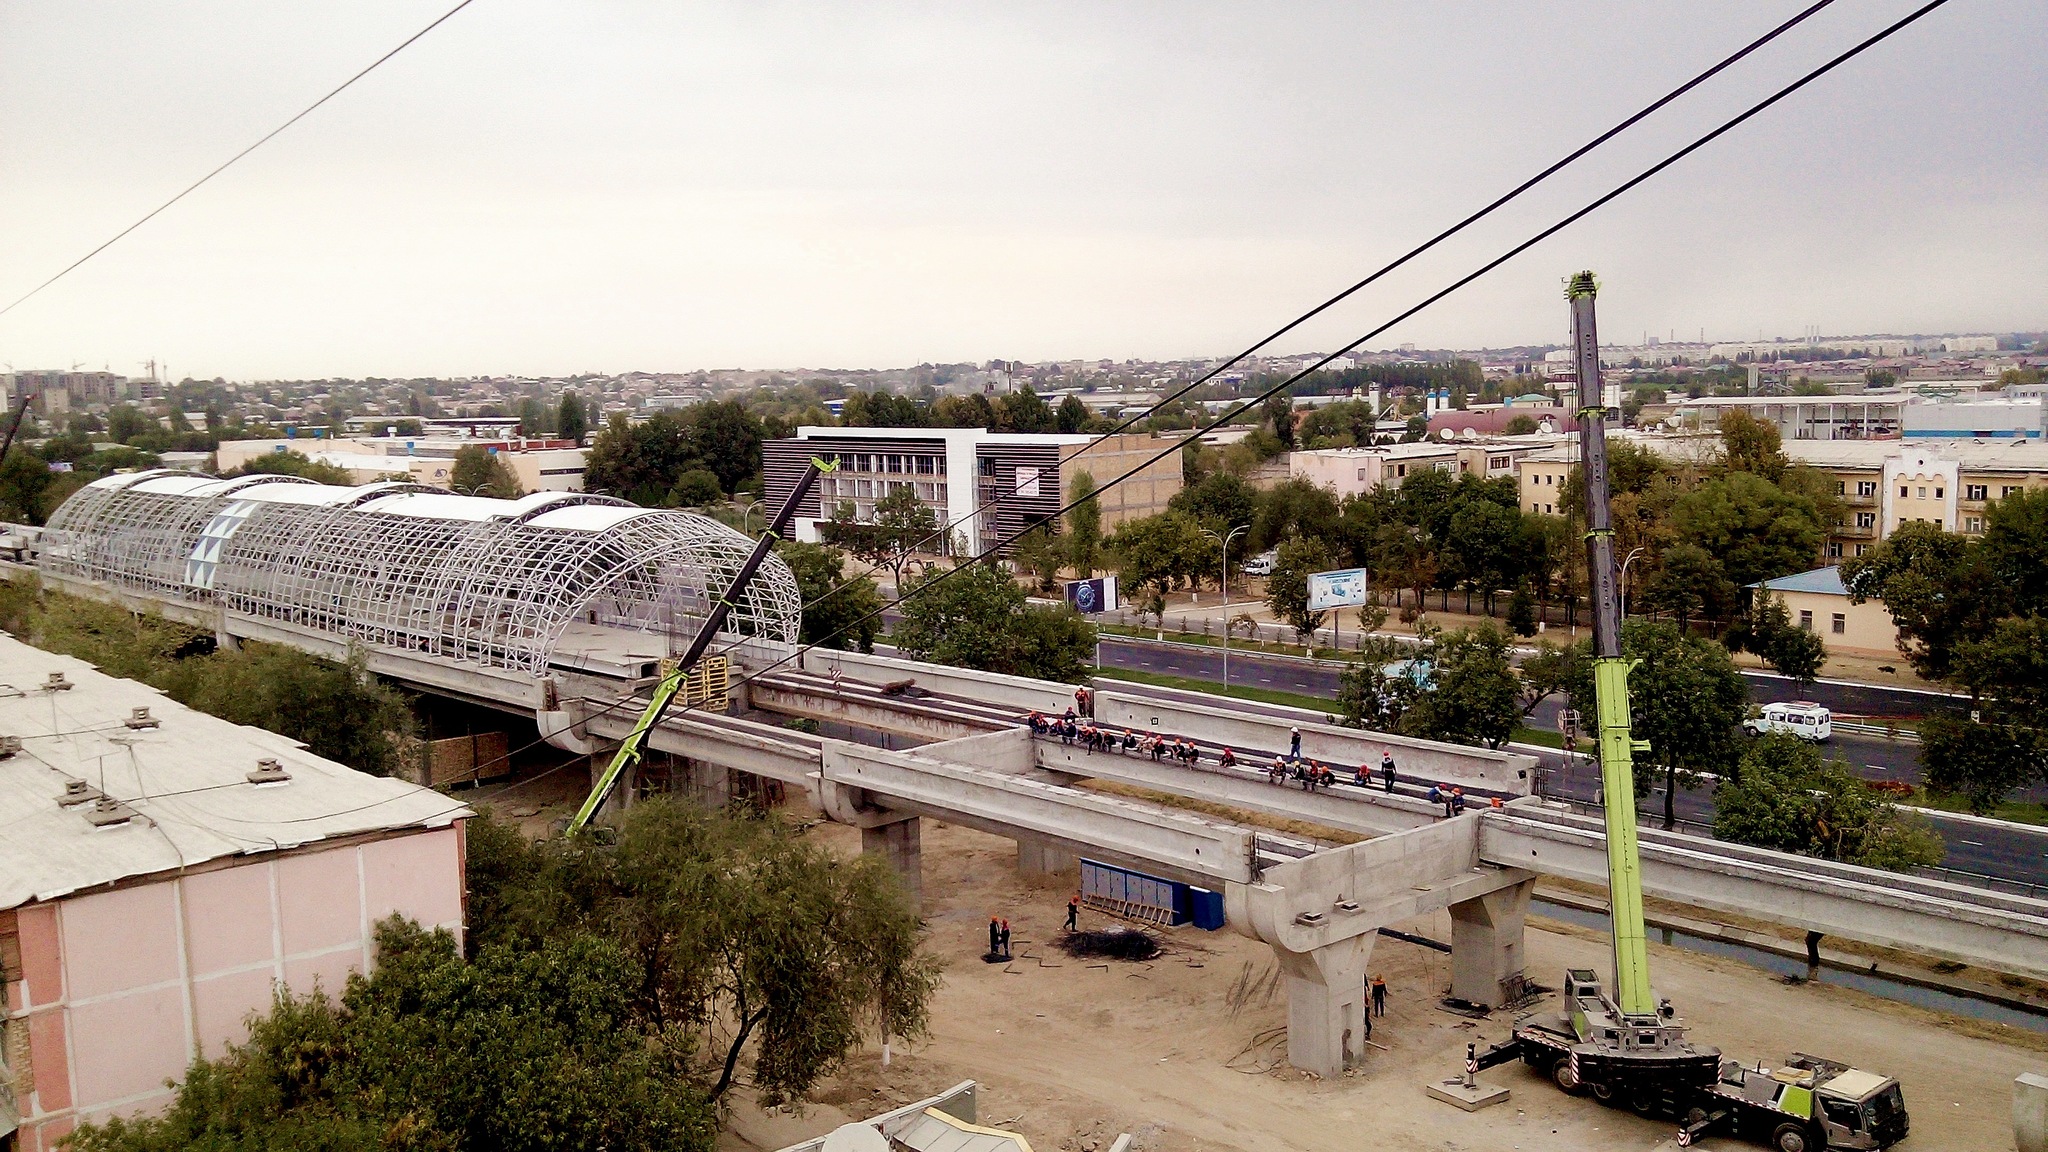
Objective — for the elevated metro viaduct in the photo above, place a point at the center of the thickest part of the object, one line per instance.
(559, 607)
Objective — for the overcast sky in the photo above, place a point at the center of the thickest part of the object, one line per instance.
(607, 185)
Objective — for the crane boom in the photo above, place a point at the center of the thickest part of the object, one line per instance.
(1610, 670)
(665, 691)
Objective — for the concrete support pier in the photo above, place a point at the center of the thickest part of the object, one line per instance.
(1326, 1004)
(2030, 1112)
(1486, 944)
(1038, 859)
(900, 844)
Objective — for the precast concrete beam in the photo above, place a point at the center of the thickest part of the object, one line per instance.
(1217, 723)
(1350, 809)
(1010, 750)
(752, 748)
(1020, 694)
(1999, 931)
(1355, 890)
(1174, 843)
(860, 706)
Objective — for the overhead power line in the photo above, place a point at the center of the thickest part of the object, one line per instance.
(1619, 190)
(230, 161)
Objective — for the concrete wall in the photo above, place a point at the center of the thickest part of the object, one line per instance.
(1343, 748)
(122, 989)
(1016, 692)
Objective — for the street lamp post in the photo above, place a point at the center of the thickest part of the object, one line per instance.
(1630, 559)
(1225, 541)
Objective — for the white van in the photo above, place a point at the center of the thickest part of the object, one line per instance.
(1262, 564)
(1802, 718)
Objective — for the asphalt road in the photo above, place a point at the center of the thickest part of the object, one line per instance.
(2008, 852)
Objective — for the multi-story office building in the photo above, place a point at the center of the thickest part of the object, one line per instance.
(986, 485)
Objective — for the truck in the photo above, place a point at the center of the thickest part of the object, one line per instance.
(1623, 1045)
(1802, 718)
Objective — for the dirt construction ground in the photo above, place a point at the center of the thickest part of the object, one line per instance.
(1186, 1052)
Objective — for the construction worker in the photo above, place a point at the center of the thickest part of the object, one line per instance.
(1074, 912)
(1457, 801)
(995, 936)
(1387, 769)
(1005, 938)
(1379, 996)
(1228, 759)
(1294, 744)
(1436, 796)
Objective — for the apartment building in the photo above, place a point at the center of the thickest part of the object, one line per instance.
(987, 485)
(1355, 471)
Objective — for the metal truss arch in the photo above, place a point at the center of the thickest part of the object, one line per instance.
(475, 580)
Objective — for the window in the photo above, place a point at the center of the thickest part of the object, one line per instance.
(1841, 487)
(1834, 549)
(1976, 491)
(1862, 548)
(1841, 623)
(1866, 487)
(1805, 620)
(2008, 490)
(1400, 469)
(1866, 519)
(1940, 493)
(1923, 492)
(1973, 524)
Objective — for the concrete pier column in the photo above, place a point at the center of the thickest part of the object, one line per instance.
(1326, 1004)
(707, 785)
(900, 843)
(1486, 943)
(1036, 858)
(2030, 1112)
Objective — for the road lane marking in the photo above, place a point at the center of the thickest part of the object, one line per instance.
(1971, 843)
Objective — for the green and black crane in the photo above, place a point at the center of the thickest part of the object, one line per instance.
(672, 683)
(1618, 1041)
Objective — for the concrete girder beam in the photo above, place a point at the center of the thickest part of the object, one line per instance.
(1351, 809)
(1161, 841)
(859, 706)
(1999, 931)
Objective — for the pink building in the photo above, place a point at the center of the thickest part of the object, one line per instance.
(162, 871)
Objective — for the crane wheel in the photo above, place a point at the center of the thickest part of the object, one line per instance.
(1792, 1138)
(1602, 1092)
(1645, 1103)
(1566, 1080)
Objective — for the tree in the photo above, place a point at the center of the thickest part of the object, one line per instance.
(1936, 586)
(572, 419)
(1545, 673)
(1685, 697)
(125, 422)
(1377, 691)
(1287, 588)
(1084, 524)
(1981, 759)
(975, 616)
(1791, 650)
(523, 1050)
(696, 488)
(1278, 413)
(1522, 611)
(1294, 507)
(1781, 795)
(478, 471)
(1481, 547)
(1072, 415)
(1038, 555)
(1755, 529)
(1472, 697)
(1221, 501)
(1155, 553)
(1023, 411)
(290, 463)
(1689, 582)
(25, 481)
(726, 439)
(838, 612)
(1520, 426)
(1752, 444)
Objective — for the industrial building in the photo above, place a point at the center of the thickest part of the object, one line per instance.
(987, 485)
(539, 464)
(163, 871)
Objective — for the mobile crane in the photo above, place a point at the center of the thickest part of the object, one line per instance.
(672, 682)
(1625, 1046)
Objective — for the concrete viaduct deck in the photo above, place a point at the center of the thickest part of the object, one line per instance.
(1318, 906)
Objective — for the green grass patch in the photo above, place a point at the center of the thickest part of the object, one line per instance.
(2017, 811)
(1528, 735)
(1237, 644)
(1239, 691)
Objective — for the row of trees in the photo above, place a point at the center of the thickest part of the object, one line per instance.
(612, 997)
(688, 458)
(1973, 613)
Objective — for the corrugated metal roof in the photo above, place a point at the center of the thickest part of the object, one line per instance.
(186, 779)
(1825, 580)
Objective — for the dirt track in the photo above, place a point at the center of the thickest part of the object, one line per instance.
(1077, 1054)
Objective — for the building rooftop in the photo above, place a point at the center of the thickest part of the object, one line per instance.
(2003, 453)
(178, 783)
(1823, 580)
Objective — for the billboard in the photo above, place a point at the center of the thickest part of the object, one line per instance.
(1092, 596)
(1339, 589)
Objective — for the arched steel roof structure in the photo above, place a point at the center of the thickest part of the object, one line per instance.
(472, 579)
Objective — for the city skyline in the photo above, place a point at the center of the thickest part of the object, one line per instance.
(538, 192)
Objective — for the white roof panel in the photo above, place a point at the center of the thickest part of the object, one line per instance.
(586, 517)
(185, 778)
